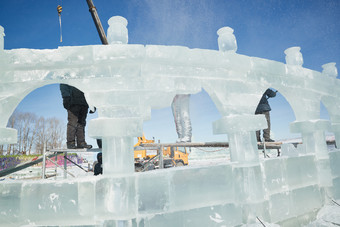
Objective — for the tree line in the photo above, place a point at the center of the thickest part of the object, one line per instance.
(33, 133)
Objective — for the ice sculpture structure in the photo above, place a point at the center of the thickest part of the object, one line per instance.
(125, 81)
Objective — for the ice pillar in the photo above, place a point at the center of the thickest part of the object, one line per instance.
(2, 34)
(241, 133)
(313, 139)
(117, 135)
(331, 102)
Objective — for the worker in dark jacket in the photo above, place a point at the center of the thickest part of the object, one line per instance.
(98, 168)
(75, 103)
(264, 108)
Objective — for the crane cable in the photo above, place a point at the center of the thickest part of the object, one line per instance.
(59, 9)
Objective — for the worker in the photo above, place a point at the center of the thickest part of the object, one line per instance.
(98, 167)
(75, 103)
(180, 110)
(264, 108)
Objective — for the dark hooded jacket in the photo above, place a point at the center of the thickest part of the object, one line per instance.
(72, 96)
(263, 105)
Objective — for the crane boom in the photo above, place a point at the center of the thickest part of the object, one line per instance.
(97, 22)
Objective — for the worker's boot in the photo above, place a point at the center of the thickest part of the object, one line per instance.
(84, 145)
(269, 140)
(71, 145)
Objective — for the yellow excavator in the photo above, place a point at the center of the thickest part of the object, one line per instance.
(147, 158)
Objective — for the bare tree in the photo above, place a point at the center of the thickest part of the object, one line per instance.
(55, 133)
(51, 132)
(33, 133)
(41, 135)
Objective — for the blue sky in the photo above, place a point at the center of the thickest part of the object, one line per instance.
(263, 28)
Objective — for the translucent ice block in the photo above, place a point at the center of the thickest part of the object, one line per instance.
(153, 191)
(334, 158)
(54, 199)
(9, 203)
(116, 198)
(301, 171)
(8, 136)
(248, 183)
(86, 197)
(281, 207)
(336, 188)
(108, 127)
(289, 150)
(306, 199)
(219, 215)
(196, 187)
(275, 172)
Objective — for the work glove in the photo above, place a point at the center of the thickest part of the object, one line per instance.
(93, 110)
(67, 102)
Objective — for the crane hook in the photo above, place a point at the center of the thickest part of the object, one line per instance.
(59, 9)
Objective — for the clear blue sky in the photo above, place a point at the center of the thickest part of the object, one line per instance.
(263, 28)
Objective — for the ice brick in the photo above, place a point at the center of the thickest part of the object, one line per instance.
(219, 215)
(334, 158)
(301, 171)
(306, 199)
(114, 98)
(197, 187)
(281, 206)
(109, 127)
(253, 210)
(10, 201)
(54, 200)
(248, 183)
(336, 188)
(86, 198)
(275, 174)
(116, 197)
(324, 172)
(153, 191)
(289, 150)
(8, 136)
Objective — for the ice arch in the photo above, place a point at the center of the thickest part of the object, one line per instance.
(125, 81)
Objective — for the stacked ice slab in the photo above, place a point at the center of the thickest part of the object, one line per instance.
(221, 195)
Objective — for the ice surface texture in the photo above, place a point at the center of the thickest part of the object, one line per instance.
(220, 195)
(125, 81)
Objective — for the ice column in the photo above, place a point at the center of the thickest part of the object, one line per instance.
(119, 116)
(226, 40)
(116, 125)
(2, 34)
(312, 128)
(330, 70)
(240, 127)
(117, 32)
(241, 133)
